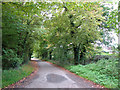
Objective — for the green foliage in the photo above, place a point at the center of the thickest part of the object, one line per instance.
(10, 59)
(119, 12)
(110, 24)
(99, 57)
(10, 23)
(13, 75)
(75, 27)
(104, 72)
(18, 21)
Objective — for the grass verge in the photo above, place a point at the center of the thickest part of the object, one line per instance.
(13, 75)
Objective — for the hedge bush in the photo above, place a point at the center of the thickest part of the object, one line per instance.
(10, 59)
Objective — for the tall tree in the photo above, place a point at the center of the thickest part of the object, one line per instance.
(78, 25)
(19, 21)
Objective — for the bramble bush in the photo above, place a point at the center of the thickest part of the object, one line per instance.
(10, 59)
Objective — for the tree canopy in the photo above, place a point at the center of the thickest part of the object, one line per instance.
(54, 30)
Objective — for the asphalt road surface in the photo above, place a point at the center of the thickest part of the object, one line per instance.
(50, 76)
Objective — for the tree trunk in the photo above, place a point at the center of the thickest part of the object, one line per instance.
(30, 54)
(82, 55)
(50, 53)
(45, 55)
(76, 55)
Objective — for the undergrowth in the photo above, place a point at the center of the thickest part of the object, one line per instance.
(13, 75)
(103, 72)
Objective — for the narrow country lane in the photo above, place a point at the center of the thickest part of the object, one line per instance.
(50, 76)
